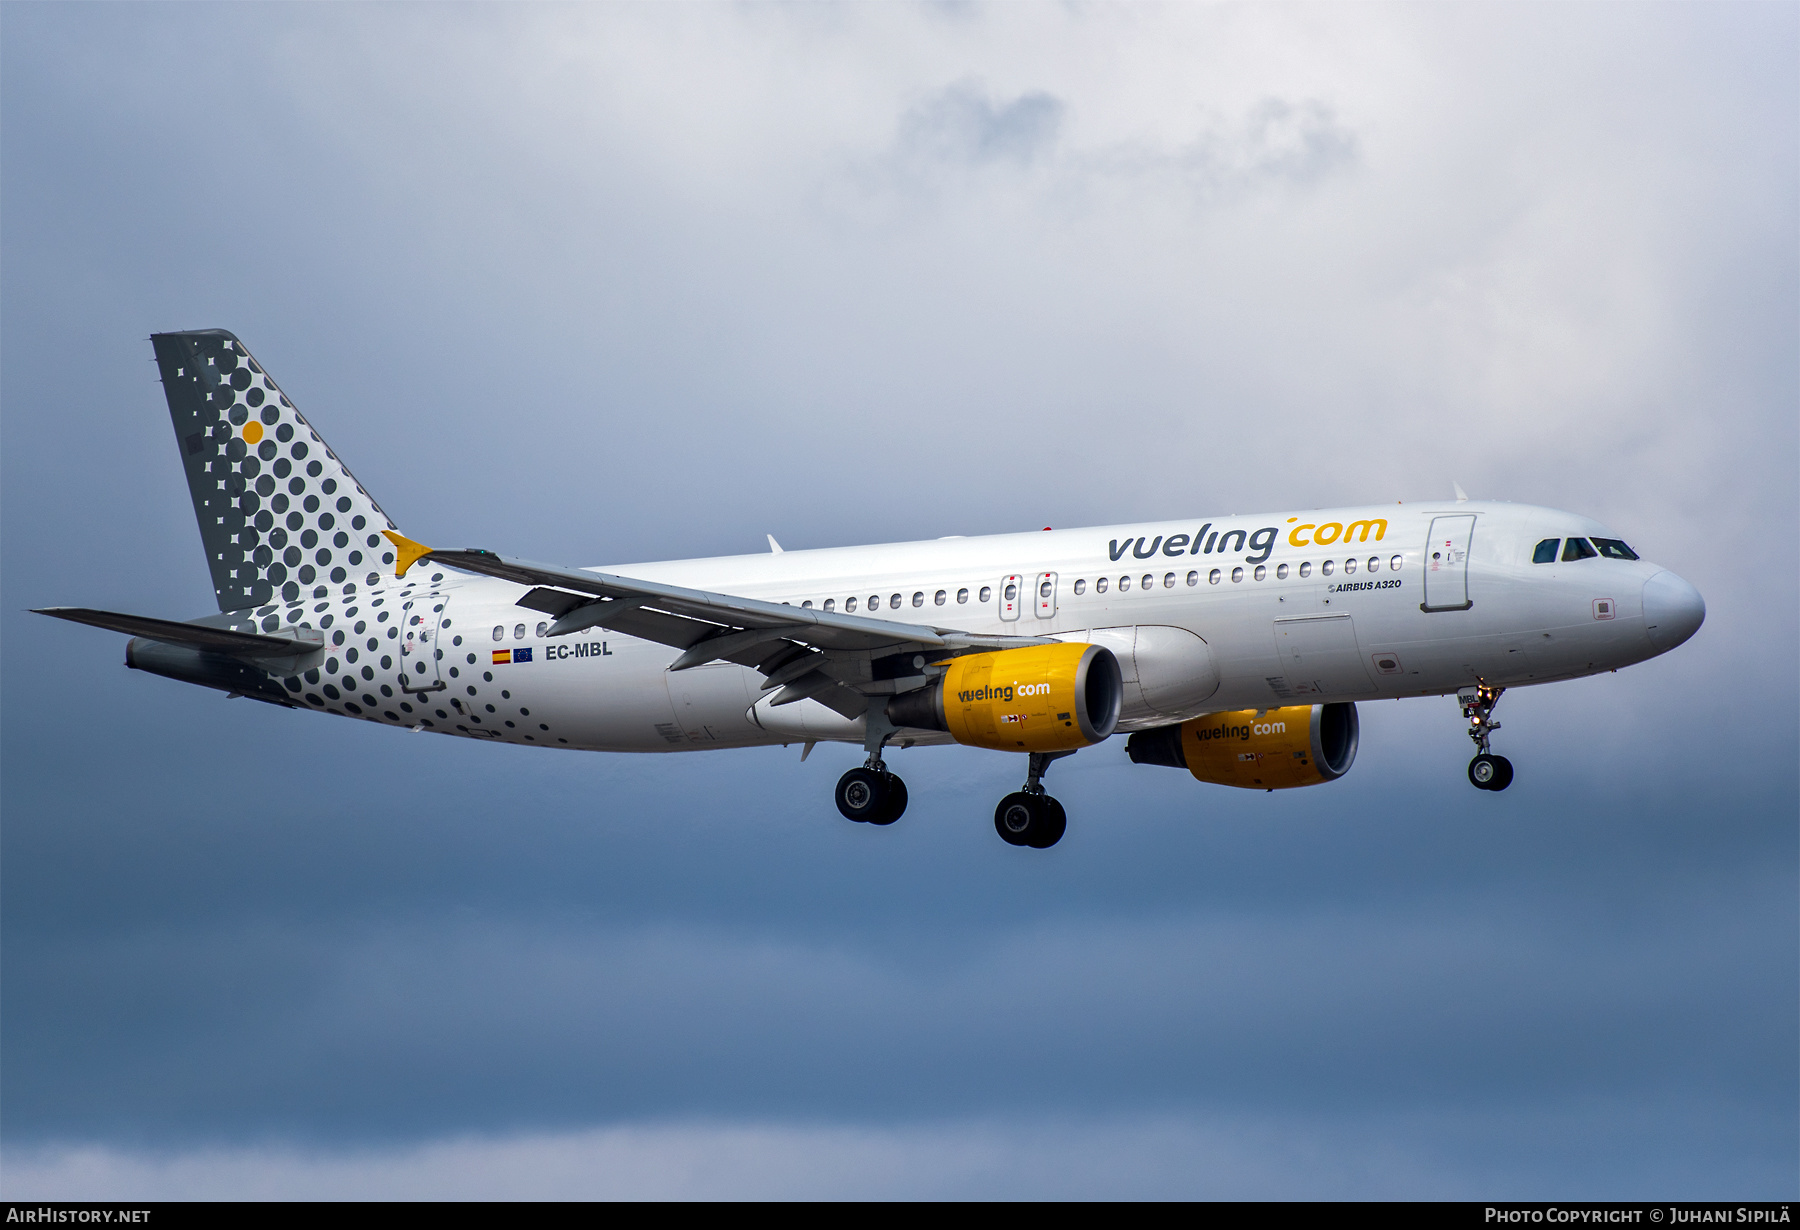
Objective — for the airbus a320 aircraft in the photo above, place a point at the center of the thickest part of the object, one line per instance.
(1235, 647)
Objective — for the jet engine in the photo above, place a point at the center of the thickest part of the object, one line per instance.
(1042, 698)
(1258, 749)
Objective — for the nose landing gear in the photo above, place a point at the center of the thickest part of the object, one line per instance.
(1029, 817)
(1487, 771)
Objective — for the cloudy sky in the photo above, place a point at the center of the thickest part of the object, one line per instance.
(604, 284)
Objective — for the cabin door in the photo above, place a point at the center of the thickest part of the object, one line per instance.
(420, 661)
(1447, 563)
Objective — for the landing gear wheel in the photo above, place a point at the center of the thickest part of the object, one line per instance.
(1024, 819)
(1488, 772)
(1053, 821)
(865, 795)
(1013, 817)
(896, 802)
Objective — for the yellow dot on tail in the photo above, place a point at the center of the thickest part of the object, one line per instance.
(252, 432)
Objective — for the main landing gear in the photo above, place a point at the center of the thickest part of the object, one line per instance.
(870, 794)
(1487, 771)
(1029, 817)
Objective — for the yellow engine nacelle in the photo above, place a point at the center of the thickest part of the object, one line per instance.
(1258, 749)
(1043, 698)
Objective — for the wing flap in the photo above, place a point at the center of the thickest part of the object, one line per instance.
(552, 602)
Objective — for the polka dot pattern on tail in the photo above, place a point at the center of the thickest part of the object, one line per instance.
(253, 462)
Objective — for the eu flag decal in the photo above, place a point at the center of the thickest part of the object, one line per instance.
(502, 657)
(521, 655)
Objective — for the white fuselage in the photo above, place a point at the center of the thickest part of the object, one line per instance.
(1266, 618)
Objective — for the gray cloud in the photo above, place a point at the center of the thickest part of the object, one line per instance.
(1278, 140)
(962, 124)
(1215, 1156)
(963, 129)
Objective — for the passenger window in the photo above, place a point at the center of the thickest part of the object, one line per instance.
(1193, 579)
(518, 631)
(1349, 566)
(1124, 584)
(543, 628)
(1546, 551)
(1396, 562)
(919, 598)
(849, 604)
(1012, 592)
(894, 602)
(1325, 569)
(499, 633)
(962, 596)
(1044, 590)
(1612, 548)
(1281, 571)
(831, 604)
(1214, 577)
(1306, 568)
(939, 597)
(1262, 572)
(1080, 587)
(1148, 581)
(874, 602)
(1100, 586)
(987, 591)
(1577, 548)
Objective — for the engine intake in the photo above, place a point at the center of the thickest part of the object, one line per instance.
(1043, 698)
(1257, 749)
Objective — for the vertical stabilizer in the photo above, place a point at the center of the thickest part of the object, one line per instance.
(280, 516)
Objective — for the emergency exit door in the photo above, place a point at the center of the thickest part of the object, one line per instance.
(1011, 596)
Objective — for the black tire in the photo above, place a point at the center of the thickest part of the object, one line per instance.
(863, 794)
(1014, 818)
(1034, 820)
(1052, 822)
(1485, 770)
(896, 802)
(1504, 774)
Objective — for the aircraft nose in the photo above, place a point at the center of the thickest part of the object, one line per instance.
(1673, 610)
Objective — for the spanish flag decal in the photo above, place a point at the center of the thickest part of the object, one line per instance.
(502, 657)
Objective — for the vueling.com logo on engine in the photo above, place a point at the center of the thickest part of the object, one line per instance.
(1005, 691)
(1242, 730)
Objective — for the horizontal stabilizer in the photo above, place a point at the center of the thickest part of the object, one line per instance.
(287, 643)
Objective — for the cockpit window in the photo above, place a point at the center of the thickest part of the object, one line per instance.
(1546, 551)
(1577, 548)
(1612, 548)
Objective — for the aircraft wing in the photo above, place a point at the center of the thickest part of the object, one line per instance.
(216, 640)
(803, 651)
